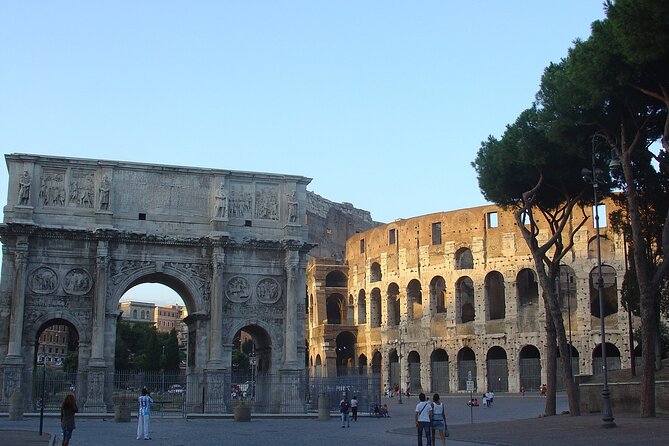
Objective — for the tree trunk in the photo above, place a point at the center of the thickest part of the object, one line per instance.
(551, 362)
(647, 294)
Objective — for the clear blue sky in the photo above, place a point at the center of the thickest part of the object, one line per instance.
(383, 103)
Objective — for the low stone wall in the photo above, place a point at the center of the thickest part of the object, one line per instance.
(624, 397)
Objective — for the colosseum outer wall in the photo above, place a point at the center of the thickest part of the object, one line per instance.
(434, 297)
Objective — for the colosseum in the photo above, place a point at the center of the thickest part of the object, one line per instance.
(432, 301)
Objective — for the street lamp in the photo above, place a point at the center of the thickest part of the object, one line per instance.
(594, 177)
(399, 343)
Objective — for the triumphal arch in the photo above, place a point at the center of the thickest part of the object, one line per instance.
(78, 233)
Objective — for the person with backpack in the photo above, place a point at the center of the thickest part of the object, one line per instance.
(344, 406)
(423, 419)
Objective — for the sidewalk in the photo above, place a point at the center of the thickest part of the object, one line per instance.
(24, 438)
(512, 421)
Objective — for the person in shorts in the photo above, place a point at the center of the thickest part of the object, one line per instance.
(438, 420)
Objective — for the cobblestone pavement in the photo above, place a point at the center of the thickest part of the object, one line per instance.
(512, 420)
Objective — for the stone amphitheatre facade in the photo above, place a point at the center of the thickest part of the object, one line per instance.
(429, 301)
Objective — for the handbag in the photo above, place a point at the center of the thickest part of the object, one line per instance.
(446, 433)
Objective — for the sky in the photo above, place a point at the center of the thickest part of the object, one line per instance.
(384, 104)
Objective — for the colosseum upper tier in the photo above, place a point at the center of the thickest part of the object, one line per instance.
(432, 302)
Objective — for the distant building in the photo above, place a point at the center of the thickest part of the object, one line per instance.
(138, 312)
(53, 345)
(170, 317)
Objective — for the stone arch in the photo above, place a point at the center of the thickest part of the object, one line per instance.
(464, 300)
(567, 291)
(362, 307)
(394, 368)
(318, 366)
(375, 274)
(336, 279)
(413, 360)
(335, 309)
(180, 282)
(362, 365)
(466, 364)
(529, 367)
(439, 371)
(393, 305)
(527, 287)
(497, 369)
(494, 296)
(612, 358)
(464, 259)
(377, 360)
(607, 248)
(575, 367)
(265, 340)
(345, 350)
(375, 310)
(415, 299)
(609, 290)
(438, 294)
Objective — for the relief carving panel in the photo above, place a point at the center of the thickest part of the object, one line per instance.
(267, 202)
(237, 289)
(43, 280)
(81, 189)
(77, 281)
(52, 187)
(268, 291)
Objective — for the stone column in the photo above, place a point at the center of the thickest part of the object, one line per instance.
(292, 262)
(14, 355)
(100, 305)
(215, 368)
(97, 367)
(216, 311)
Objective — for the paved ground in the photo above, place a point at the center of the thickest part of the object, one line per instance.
(512, 421)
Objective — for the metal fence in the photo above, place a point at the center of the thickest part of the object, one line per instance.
(530, 373)
(498, 375)
(440, 382)
(176, 394)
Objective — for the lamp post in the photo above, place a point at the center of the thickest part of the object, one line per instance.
(559, 290)
(594, 177)
(399, 343)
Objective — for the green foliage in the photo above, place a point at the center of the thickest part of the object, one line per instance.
(173, 357)
(140, 346)
(71, 361)
(240, 361)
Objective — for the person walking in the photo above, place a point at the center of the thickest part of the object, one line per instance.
(343, 409)
(354, 408)
(438, 420)
(423, 419)
(67, 411)
(144, 415)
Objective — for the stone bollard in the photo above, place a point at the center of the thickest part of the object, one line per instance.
(16, 406)
(323, 406)
(242, 412)
(122, 413)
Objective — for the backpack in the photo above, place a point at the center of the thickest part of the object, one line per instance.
(343, 407)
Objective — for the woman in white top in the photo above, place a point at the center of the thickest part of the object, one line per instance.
(438, 420)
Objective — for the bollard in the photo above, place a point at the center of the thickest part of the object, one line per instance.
(122, 413)
(323, 406)
(16, 406)
(242, 411)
